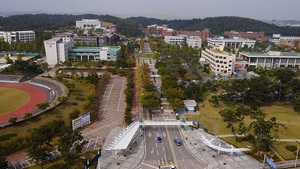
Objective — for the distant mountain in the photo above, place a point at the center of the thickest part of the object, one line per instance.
(218, 25)
(293, 23)
(130, 26)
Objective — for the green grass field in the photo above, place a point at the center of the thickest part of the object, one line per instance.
(210, 119)
(12, 99)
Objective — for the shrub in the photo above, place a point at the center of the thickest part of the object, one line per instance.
(291, 148)
(7, 136)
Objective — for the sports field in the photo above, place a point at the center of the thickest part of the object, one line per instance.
(12, 99)
(18, 99)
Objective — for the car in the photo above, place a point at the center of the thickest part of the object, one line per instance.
(178, 142)
(159, 139)
(172, 167)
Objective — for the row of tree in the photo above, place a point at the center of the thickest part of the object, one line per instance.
(36, 46)
(148, 93)
(273, 85)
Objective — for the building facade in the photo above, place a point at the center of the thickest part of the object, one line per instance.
(220, 63)
(269, 60)
(175, 40)
(61, 49)
(291, 41)
(220, 43)
(194, 41)
(258, 36)
(87, 24)
(17, 36)
(57, 49)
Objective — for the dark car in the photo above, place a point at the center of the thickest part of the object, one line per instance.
(178, 142)
(159, 139)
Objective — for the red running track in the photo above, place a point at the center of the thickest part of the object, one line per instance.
(37, 96)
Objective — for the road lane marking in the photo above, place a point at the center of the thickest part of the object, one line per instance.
(171, 146)
(157, 153)
(152, 150)
(182, 158)
(149, 165)
(180, 151)
(156, 145)
(165, 157)
(163, 148)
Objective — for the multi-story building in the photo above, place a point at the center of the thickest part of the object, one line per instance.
(271, 59)
(258, 36)
(220, 42)
(221, 63)
(194, 41)
(61, 49)
(165, 31)
(57, 49)
(291, 41)
(86, 24)
(17, 36)
(175, 40)
(87, 40)
(275, 39)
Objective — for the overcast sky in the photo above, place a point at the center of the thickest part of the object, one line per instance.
(162, 9)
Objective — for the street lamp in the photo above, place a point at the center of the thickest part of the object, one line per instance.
(297, 156)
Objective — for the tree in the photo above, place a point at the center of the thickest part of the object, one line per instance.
(13, 120)
(69, 139)
(42, 140)
(262, 131)
(150, 101)
(3, 162)
(28, 116)
(8, 60)
(19, 57)
(43, 106)
(20, 46)
(214, 100)
(44, 66)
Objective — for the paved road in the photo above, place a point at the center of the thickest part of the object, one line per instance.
(167, 152)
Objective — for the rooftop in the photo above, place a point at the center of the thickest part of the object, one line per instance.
(235, 39)
(271, 53)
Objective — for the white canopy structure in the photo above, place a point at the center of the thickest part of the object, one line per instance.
(122, 141)
(218, 147)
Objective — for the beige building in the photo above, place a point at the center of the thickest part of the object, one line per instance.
(221, 63)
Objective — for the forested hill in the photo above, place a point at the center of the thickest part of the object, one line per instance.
(218, 25)
(130, 26)
(41, 22)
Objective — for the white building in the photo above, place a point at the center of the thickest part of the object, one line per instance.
(86, 24)
(16, 36)
(220, 62)
(221, 42)
(271, 59)
(57, 49)
(194, 41)
(275, 39)
(175, 40)
(61, 49)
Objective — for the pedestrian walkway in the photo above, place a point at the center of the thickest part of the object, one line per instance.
(212, 157)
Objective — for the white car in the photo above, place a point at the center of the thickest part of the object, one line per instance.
(172, 167)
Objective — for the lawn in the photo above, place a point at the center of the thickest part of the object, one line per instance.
(210, 119)
(79, 164)
(15, 97)
(61, 112)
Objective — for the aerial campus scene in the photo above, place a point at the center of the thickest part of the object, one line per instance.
(149, 85)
